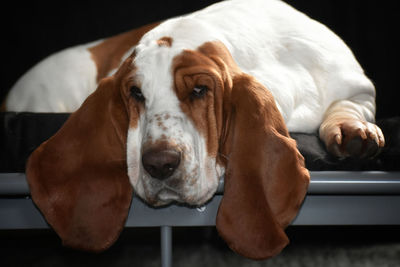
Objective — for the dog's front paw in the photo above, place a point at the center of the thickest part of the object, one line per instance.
(351, 137)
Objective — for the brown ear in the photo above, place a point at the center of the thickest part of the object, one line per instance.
(78, 178)
(265, 178)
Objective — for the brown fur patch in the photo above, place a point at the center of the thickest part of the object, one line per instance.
(206, 67)
(123, 83)
(89, 219)
(165, 41)
(107, 55)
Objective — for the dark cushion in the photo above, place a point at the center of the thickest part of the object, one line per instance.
(318, 159)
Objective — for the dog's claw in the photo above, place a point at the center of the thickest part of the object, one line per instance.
(338, 139)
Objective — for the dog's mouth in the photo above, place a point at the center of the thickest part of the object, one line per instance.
(168, 195)
(161, 195)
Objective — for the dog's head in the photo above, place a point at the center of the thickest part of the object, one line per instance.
(172, 151)
(169, 123)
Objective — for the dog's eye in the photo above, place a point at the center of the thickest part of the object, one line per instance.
(199, 91)
(137, 93)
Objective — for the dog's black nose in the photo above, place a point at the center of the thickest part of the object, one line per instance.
(161, 164)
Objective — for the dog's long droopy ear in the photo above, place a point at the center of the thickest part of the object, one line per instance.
(78, 178)
(265, 178)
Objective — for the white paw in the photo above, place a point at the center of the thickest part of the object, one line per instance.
(351, 137)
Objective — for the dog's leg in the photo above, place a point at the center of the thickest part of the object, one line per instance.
(348, 128)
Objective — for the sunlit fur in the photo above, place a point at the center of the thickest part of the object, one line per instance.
(305, 65)
(59, 83)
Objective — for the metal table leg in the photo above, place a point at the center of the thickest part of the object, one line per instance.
(166, 246)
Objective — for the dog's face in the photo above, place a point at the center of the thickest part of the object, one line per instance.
(174, 99)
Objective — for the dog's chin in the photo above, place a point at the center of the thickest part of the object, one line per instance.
(166, 197)
(161, 198)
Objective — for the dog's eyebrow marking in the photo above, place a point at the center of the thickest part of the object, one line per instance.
(165, 41)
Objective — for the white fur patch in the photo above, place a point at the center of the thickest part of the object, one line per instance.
(304, 65)
(59, 83)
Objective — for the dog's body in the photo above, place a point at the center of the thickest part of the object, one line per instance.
(189, 103)
(304, 65)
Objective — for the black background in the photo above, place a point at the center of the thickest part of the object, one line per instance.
(34, 29)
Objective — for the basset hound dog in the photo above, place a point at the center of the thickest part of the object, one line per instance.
(182, 103)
